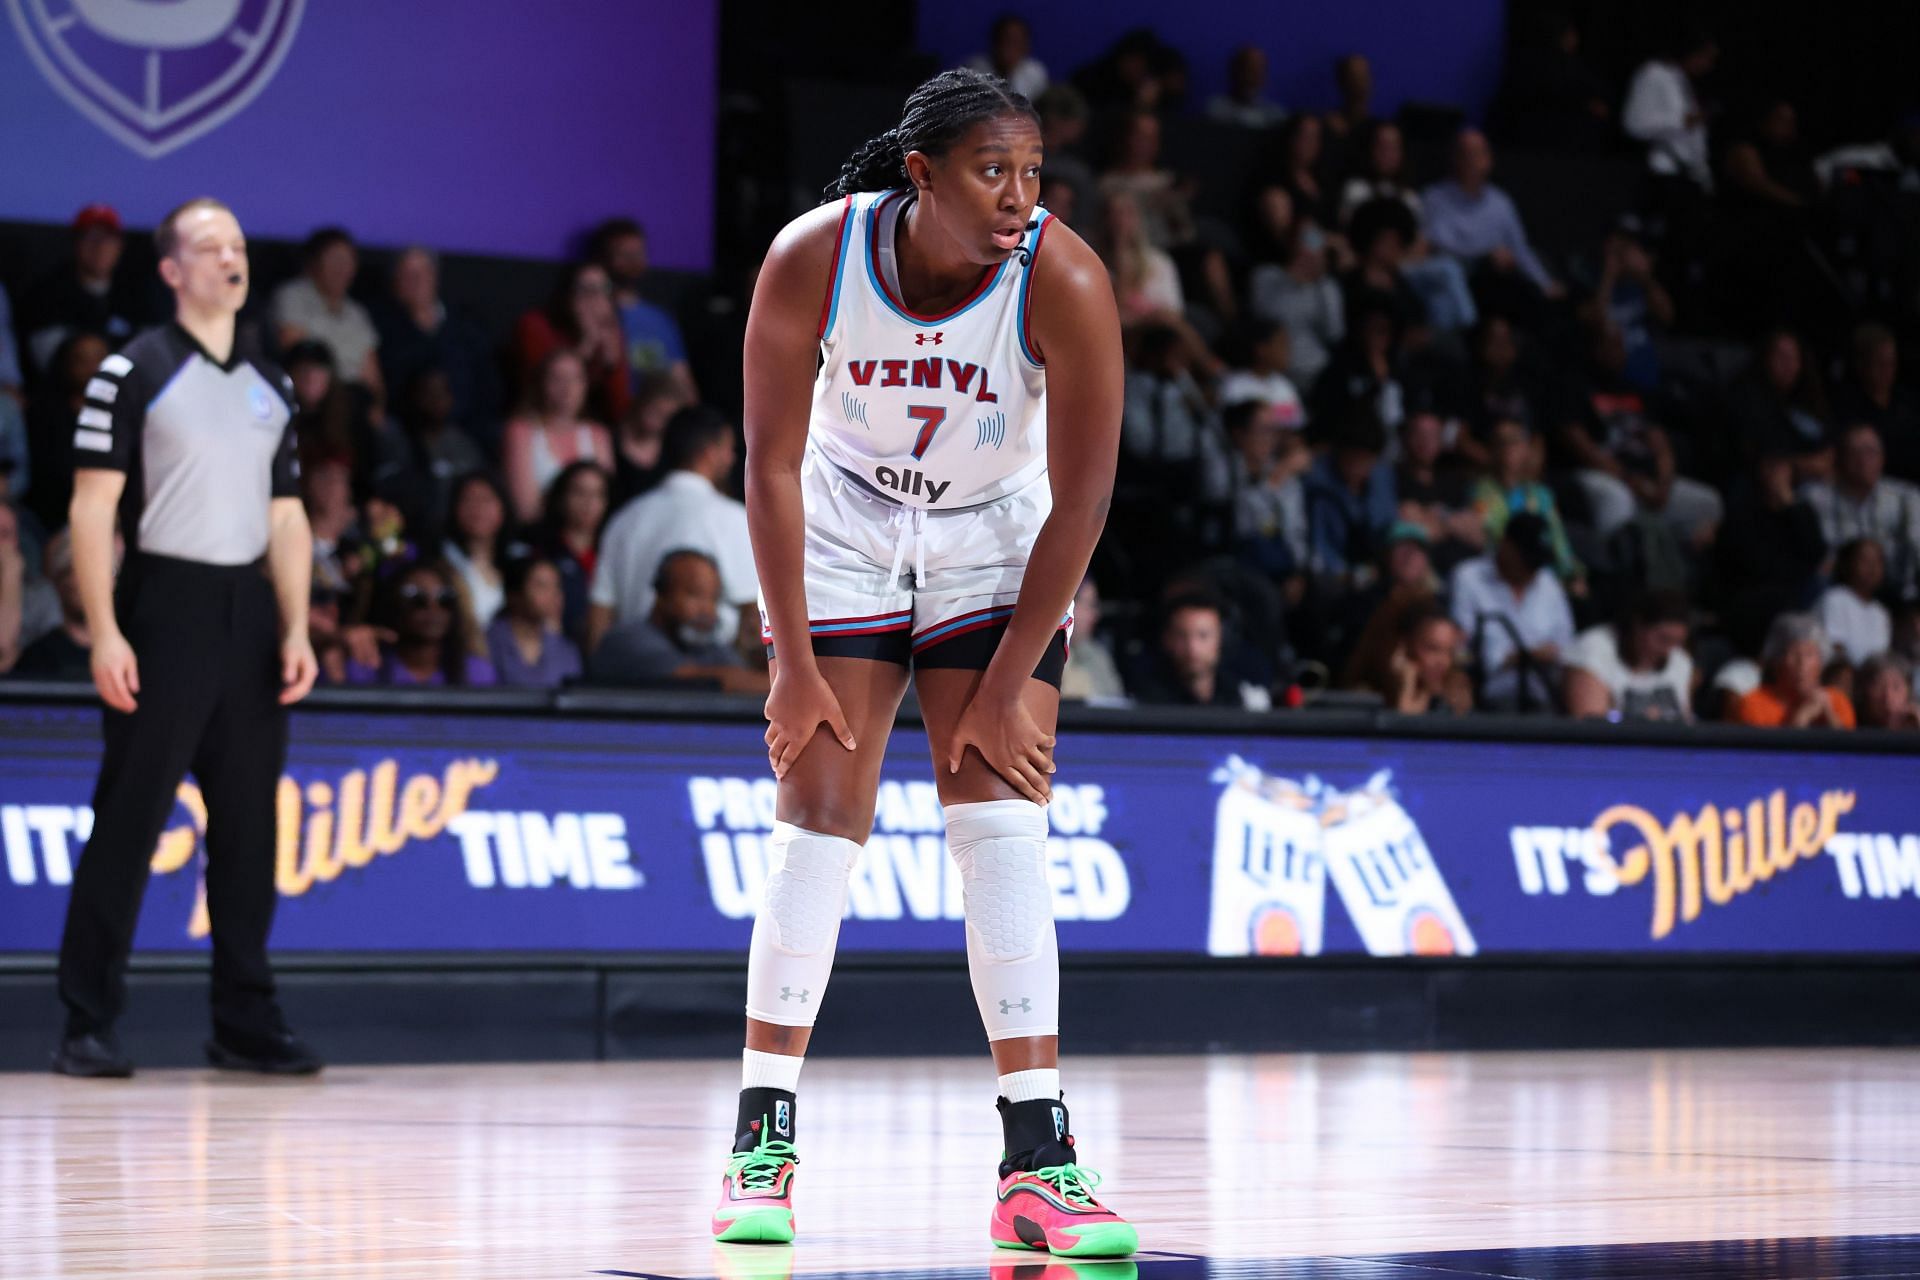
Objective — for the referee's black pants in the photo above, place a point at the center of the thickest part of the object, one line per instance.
(206, 638)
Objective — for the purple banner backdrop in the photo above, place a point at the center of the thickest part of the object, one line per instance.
(480, 126)
(487, 832)
(1429, 52)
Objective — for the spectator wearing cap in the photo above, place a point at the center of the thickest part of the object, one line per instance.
(1350, 499)
(1861, 502)
(1625, 458)
(419, 331)
(1637, 668)
(1009, 55)
(1791, 694)
(1510, 606)
(1474, 221)
(674, 642)
(315, 305)
(1885, 690)
(1245, 103)
(87, 293)
(650, 334)
(1857, 623)
(1186, 669)
(525, 641)
(64, 652)
(1875, 394)
(1513, 486)
(1091, 674)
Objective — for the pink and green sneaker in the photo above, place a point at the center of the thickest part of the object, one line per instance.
(756, 1193)
(1053, 1208)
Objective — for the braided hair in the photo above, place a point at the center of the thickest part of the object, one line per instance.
(936, 116)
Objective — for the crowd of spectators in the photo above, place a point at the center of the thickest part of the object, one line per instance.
(1377, 443)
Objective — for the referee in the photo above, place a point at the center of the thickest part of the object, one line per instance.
(187, 438)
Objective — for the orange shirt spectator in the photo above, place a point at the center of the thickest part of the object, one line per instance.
(1792, 696)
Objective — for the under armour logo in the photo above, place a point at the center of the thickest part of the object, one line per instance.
(922, 339)
(788, 993)
(1024, 1006)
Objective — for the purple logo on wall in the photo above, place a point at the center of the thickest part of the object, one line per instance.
(156, 74)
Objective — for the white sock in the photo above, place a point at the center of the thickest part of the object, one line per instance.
(1029, 1086)
(772, 1071)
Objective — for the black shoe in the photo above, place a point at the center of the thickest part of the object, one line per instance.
(96, 1055)
(280, 1053)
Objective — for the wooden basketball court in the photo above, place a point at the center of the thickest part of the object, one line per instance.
(1516, 1165)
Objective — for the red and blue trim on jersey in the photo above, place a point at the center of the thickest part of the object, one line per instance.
(991, 616)
(830, 305)
(876, 213)
(1025, 326)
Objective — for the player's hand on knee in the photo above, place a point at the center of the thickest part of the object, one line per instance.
(799, 704)
(116, 673)
(1011, 741)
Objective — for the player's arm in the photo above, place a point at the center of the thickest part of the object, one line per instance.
(1076, 328)
(105, 435)
(782, 355)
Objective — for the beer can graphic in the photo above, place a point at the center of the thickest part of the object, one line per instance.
(1269, 880)
(1386, 877)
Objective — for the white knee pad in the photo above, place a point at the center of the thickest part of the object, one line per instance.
(1000, 847)
(798, 925)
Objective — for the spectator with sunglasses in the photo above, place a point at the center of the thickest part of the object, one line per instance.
(420, 607)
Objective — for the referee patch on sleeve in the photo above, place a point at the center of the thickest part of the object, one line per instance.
(93, 416)
(97, 441)
(103, 391)
(116, 365)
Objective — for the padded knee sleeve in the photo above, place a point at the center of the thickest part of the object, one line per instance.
(1000, 847)
(798, 925)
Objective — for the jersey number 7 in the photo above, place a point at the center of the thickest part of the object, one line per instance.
(930, 416)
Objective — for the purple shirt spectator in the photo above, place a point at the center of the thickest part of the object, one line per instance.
(559, 659)
(480, 673)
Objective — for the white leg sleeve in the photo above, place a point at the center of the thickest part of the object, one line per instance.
(1001, 849)
(798, 925)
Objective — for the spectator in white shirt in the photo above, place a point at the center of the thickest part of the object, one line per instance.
(1010, 56)
(1663, 112)
(687, 511)
(1861, 502)
(1270, 352)
(1856, 622)
(1515, 616)
(1638, 669)
(316, 306)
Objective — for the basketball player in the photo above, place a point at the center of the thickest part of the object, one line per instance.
(909, 344)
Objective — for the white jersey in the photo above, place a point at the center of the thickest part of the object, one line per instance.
(934, 411)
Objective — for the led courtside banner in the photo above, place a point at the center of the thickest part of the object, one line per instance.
(533, 833)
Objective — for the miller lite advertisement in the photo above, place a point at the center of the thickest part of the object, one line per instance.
(527, 833)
